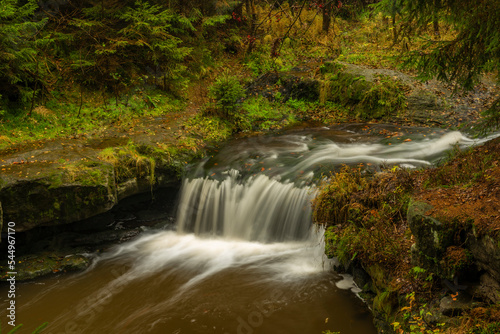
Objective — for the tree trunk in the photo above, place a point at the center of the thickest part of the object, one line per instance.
(435, 23)
(327, 17)
(252, 21)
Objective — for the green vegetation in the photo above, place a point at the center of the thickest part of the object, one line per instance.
(39, 329)
(470, 48)
(382, 98)
(362, 215)
(372, 220)
(62, 117)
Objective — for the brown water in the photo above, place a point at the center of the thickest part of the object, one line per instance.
(173, 283)
(245, 258)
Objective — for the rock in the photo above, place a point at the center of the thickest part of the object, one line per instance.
(104, 237)
(290, 85)
(454, 306)
(488, 289)
(56, 193)
(422, 100)
(486, 252)
(432, 237)
(34, 266)
(37, 203)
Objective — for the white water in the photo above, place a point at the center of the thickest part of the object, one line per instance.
(258, 221)
(260, 209)
(244, 240)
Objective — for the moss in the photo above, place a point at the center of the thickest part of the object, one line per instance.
(385, 303)
(30, 267)
(366, 100)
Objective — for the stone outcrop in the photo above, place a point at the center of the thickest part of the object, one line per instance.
(56, 193)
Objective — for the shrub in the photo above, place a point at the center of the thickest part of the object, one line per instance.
(227, 93)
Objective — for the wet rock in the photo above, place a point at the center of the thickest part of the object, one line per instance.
(151, 215)
(104, 237)
(455, 306)
(35, 266)
(41, 202)
(423, 100)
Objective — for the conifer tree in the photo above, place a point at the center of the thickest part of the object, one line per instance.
(20, 72)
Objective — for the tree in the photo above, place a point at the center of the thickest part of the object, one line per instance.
(475, 48)
(20, 73)
(473, 51)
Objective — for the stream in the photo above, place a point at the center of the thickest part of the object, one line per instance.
(243, 256)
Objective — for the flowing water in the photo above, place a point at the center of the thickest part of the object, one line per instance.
(244, 257)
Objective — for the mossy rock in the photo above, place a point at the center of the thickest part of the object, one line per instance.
(59, 197)
(375, 98)
(35, 266)
(385, 303)
(432, 237)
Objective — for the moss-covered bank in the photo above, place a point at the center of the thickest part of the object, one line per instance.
(423, 245)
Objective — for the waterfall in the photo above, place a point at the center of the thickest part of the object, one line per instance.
(258, 208)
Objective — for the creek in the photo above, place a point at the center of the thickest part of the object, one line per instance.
(243, 256)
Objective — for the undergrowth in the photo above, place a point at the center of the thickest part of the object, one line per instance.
(62, 117)
(364, 215)
(473, 165)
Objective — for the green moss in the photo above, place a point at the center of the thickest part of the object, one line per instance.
(385, 302)
(366, 100)
(211, 129)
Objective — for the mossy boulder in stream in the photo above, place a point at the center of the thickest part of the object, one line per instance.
(31, 266)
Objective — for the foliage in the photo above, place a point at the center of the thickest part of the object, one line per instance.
(110, 47)
(364, 214)
(413, 318)
(129, 162)
(487, 329)
(460, 58)
(475, 48)
(471, 164)
(265, 115)
(210, 128)
(227, 93)
(367, 100)
(60, 119)
(21, 75)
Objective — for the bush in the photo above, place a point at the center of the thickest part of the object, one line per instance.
(227, 93)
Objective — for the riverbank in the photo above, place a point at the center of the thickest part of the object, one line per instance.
(423, 245)
(52, 189)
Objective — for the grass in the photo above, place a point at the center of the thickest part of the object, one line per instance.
(61, 117)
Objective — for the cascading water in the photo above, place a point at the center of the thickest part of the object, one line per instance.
(245, 257)
(258, 209)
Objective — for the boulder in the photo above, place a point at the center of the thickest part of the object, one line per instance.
(455, 305)
(486, 252)
(432, 237)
